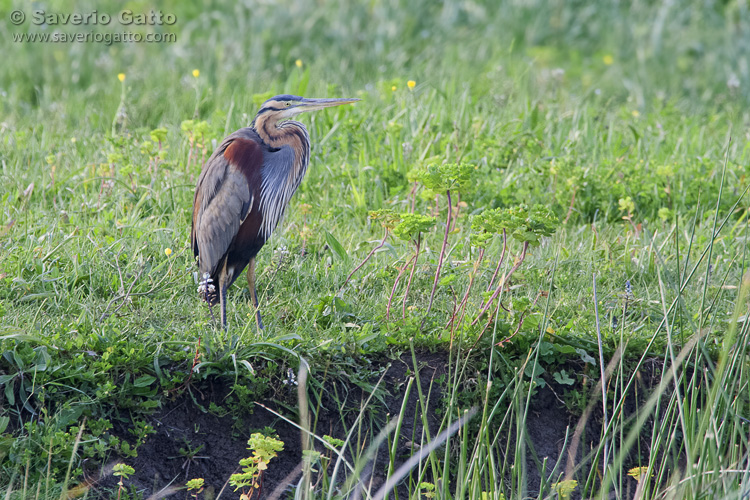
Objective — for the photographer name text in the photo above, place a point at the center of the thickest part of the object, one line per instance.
(125, 17)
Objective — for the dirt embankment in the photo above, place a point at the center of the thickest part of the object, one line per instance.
(190, 442)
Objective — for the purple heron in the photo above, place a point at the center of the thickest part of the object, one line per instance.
(243, 192)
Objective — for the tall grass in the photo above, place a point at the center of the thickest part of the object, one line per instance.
(614, 115)
(681, 434)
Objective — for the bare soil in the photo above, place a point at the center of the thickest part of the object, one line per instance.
(160, 464)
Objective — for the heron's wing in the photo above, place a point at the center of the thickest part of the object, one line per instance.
(223, 198)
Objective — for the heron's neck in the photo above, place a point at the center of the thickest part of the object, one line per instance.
(289, 133)
(278, 134)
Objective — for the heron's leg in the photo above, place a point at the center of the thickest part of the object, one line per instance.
(223, 282)
(254, 291)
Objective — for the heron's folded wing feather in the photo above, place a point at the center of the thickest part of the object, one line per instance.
(222, 200)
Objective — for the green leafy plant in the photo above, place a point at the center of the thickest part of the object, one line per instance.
(189, 454)
(195, 487)
(525, 225)
(264, 449)
(565, 489)
(198, 134)
(156, 148)
(25, 363)
(427, 489)
(324, 460)
(122, 471)
(141, 430)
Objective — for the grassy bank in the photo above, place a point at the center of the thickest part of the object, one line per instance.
(595, 160)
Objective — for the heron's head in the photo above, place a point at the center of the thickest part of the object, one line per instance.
(283, 107)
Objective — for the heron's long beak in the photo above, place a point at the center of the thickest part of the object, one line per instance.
(316, 104)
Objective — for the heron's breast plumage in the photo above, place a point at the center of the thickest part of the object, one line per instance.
(284, 166)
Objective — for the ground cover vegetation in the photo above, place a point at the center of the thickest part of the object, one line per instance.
(535, 219)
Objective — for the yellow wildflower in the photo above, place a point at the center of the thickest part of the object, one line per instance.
(411, 84)
(393, 88)
(635, 113)
(168, 251)
(298, 63)
(196, 73)
(608, 60)
(121, 77)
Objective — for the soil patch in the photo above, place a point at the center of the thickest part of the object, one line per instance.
(218, 445)
(182, 425)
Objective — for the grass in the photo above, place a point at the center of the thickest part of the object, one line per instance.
(626, 121)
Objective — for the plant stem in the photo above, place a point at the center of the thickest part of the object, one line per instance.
(520, 322)
(500, 262)
(186, 384)
(120, 108)
(442, 254)
(372, 252)
(465, 299)
(502, 282)
(601, 367)
(572, 204)
(393, 290)
(458, 209)
(411, 275)
(203, 155)
(190, 155)
(413, 195)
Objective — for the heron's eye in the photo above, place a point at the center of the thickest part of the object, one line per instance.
(288, 104)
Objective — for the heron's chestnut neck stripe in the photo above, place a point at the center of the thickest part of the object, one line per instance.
(277, 134)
